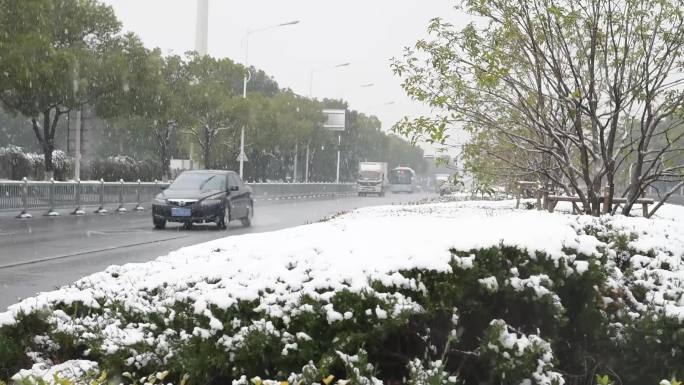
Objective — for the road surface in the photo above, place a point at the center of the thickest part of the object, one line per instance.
(42, 254)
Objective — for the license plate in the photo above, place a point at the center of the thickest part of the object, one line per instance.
(179, 212)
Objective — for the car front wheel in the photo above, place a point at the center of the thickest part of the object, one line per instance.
(247, 220)
(223, 220)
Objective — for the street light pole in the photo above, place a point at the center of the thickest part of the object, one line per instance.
(77, 139)
(339, 143)
(246, 78)
(77, 146)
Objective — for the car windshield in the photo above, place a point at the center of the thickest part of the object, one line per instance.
(199, 181)
(370, 174)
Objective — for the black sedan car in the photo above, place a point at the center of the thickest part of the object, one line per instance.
(202, 197)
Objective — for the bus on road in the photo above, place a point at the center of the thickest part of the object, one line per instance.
(403, 179)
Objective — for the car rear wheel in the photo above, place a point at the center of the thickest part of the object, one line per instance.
(247, 220)
(159, 224)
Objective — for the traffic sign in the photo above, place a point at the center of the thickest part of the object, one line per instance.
(335, 119)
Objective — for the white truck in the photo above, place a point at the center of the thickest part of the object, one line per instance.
(373, 178)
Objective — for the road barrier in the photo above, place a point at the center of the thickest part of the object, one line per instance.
(26, 195)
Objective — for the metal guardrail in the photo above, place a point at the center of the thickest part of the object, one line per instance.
(290, 190)
(121, 196)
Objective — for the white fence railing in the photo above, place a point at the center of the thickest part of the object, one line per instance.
(121, 196)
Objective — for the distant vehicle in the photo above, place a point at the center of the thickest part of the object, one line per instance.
(373, 178)
(204, 196)
(403, 179)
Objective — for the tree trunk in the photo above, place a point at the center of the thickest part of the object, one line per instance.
(46, 140)
(164, 161)
(48, 148)
(207, 157)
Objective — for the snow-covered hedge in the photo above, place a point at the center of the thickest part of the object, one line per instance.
(15, 163)
(119, 167)
(447, 293)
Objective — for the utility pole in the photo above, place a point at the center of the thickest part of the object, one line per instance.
(339, 143)
(246, 78)
(77, 139)
(306, 168)
(77, 146)
(295, 162)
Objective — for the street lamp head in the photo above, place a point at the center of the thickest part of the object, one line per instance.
(367, 85)
(289, 23)
(342, 65)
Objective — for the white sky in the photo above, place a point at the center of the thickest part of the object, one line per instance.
(365, 33)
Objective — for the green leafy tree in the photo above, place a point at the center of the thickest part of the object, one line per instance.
(280, 126)
(215, 111)
(51, 59)
(154, 105)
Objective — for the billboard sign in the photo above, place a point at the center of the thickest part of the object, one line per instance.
(335, 119)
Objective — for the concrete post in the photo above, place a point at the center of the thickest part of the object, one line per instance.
(139, 206)
(101, 209)
(121, 209)
(51, 200)
(77, 199)
(24, 201)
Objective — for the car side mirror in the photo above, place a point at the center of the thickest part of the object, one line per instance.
(233, 188)
(162, 188)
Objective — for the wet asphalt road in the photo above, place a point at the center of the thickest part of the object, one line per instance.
(42, 254)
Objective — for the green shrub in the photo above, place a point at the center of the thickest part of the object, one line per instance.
(17, 340)
(566, 320)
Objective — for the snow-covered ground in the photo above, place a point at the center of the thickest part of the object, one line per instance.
(347, 252)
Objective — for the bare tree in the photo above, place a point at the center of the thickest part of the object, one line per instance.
(581, 86)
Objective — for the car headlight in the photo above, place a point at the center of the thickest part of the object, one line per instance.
(157, 201)
(211, 202)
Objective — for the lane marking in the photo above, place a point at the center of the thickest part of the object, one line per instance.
(65, 256)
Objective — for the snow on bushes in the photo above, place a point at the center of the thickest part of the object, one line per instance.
(72, 371)
(540, 296)
(119, 167)
(521, 359)
(16, 164)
